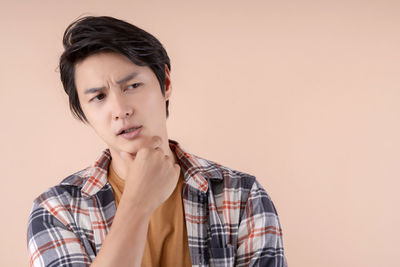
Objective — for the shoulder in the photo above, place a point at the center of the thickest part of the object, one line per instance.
(231, 177)
(222, 178)
(59, 204)
(68, 188)
(58, 228)
(217, 177)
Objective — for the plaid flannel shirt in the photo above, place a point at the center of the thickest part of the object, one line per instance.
(230, 219)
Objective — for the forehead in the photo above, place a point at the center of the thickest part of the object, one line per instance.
(101, 68)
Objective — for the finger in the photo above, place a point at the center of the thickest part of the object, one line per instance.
(155, 142)
(159, 149)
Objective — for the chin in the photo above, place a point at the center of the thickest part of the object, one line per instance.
(131, 147)
(131, 150)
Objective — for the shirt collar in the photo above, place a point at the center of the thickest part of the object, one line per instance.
(196, 171)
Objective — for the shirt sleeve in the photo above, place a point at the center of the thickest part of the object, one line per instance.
(51, 243)
(260, 240)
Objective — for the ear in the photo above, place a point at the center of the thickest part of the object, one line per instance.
(167, 83)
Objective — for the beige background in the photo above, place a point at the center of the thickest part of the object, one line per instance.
(303, 94)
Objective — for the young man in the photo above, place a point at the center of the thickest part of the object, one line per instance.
(145, 201)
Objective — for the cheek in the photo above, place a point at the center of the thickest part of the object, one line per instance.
(96, 118)
(150, 103)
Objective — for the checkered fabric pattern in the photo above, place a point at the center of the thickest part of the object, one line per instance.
(230, 219)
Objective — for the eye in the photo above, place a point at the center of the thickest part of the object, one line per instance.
(135, 85)
(98, 97)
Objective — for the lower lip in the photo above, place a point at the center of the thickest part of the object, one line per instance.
(131, 135)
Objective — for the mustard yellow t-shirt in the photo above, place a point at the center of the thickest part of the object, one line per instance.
(167, 242)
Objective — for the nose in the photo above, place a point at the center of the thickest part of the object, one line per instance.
(120, 109)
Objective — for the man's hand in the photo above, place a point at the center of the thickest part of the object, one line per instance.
(151, 176)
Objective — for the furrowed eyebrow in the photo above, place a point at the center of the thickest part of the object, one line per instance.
(123, 80)
(94, 90)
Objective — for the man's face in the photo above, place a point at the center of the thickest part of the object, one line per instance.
(115, 94)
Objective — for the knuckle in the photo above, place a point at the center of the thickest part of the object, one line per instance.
(159, 152)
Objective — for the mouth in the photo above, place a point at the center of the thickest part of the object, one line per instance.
(128, 130)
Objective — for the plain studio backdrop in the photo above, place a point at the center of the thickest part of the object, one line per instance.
(302, 94)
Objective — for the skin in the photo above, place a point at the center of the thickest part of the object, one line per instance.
(146, 163)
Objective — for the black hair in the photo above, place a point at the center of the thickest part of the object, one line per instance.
(90, 35)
